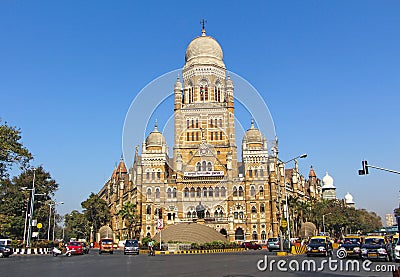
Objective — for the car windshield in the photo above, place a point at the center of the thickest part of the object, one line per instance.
(374, 241)
(74, 243)
(107, 242)
(352, 241)
(131, 243)
(316, 241)
(272, 239)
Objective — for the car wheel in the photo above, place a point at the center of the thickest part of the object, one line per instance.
(69, 254)
(1, 255)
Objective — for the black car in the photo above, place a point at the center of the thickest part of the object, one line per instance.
(319, 245)
(376, 248)
(5, 251)
(352, 246)
(131, 247)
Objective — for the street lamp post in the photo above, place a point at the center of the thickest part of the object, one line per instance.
(286, 195)
(48, 226)
(323, 220)
(28, 240)
(54, 214)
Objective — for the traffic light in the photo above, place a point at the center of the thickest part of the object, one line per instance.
(160, 213)
(364, 169)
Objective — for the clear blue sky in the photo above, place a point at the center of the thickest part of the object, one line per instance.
(328, 71)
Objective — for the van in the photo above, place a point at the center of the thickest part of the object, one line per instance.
(6, 242)
(106, 246)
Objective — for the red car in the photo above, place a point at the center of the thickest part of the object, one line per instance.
(251, 245)
(77, 246)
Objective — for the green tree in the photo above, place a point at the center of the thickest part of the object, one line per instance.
(76, 225)
(13, 200)
(96, 211)
(396, 212)
(128, 214)
(11, 149)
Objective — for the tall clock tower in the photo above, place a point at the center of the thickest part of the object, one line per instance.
(204, 114)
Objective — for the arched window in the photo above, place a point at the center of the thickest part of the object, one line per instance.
(174, 193)
(216, 214)
(253, 210)
(239, 235)
(217, 192)
(235, 215)
(210, 192)
(206, 93)
(212, 136)
(187, 124)
(187, 136)
(223, 192)
(201, 93)
(198, 192)
(192, 136)
(256, 173)
(198, 166)
(204, 166)
(240, 215)
(189, 214)
(263, 235)
(197, 123)
(211, 122)
(204, 192)
(158, 175)
(252, 191)
(235, 192)
(147, 175)
(153, 175)
(241, 193)
(261, 190)
(169, 193)
(194, 214)
(157, 193)
(262, 208)
(261, 172)
(192, 192)
(207, 214)
(250, 173)
(148, 209)
(186, 192)
(197, 136)
(220, 122)
(209, 166)
(220, 135)
(255, 236)
(221, 214)
(148, 192)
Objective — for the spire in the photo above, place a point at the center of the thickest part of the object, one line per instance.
(252, 123)
(156, 126)
(203, 30)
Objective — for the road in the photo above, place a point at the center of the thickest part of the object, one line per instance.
(221, 264)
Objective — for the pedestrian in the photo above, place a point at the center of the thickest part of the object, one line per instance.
(151, 245)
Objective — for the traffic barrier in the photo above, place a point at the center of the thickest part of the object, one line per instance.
(180, 252)
(31, 251)
(299, 250)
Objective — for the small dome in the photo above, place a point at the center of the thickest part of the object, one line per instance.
(155, 138)
(312, 173)
(178, 84)
(349, 198)
(204, 50)
(328, 182)
(253, 135)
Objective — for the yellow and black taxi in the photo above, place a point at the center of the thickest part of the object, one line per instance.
(352, 245)
(376, 248)
(319, 245)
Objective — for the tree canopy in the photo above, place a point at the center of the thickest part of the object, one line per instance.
(11, 149)
(96, 211)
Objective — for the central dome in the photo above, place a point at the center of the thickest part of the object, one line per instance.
(204, 50)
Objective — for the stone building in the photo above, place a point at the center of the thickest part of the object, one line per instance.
(204, 182)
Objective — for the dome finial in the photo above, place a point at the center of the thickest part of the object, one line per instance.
(203, 30)
(156, 126)
(252, 123)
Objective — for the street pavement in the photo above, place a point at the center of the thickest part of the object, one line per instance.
(248, 263)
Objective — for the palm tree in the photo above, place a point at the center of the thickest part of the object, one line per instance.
(128, 214)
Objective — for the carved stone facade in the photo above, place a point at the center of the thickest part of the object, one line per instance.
(204, 177)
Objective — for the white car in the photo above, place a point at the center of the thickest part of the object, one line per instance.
(396, 253)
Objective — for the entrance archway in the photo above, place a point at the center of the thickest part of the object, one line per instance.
(223, 231)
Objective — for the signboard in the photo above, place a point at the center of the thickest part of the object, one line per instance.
(160, 224)
(39, 225)
(35, 234)
(284, 223)
(203, 173)
(34, 222)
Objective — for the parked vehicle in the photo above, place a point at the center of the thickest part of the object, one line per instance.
(320, 245)
(131, 247)
(376, 248)
(351, 245)
(5, 250)
(106, 246)
(251, 245)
